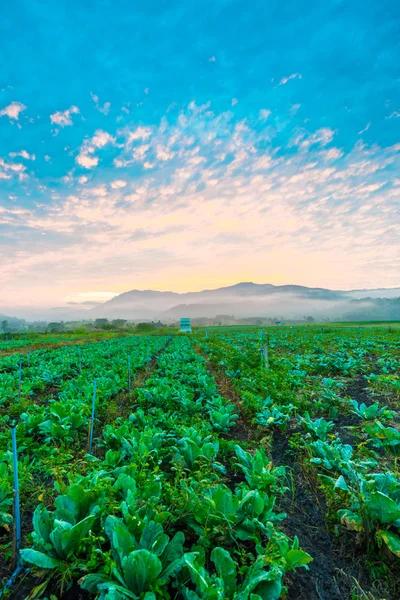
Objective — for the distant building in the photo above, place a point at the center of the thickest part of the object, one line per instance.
(186, 326)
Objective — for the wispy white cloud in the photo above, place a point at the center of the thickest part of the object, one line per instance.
(120, 163)
(13, 110)
(140, 133)
(322, 137)
(118, 184)
(86, 156)
(86, 160)
(8, 169)
(285, 80)
(63, 118)
(365, 128)
(264, 114)
(101, 138)
(105, 108)
(164, 153)
(99, 190)
(23, 154)
(333, 154)
(17, 167)
(207, 179)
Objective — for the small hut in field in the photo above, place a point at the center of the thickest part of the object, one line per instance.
(186, 326)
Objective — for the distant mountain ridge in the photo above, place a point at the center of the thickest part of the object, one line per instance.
(247, 299)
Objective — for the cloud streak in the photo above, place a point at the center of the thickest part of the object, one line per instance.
(286, 80)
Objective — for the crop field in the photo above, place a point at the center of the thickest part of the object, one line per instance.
(233, 463)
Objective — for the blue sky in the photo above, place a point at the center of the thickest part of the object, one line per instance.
(181, 145)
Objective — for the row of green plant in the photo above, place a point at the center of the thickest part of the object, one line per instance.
(26, 376)
(361, 495)
(32, 341)
(307, 397)
(156, 514)
(53, 431)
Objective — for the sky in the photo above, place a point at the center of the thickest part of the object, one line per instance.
(190, 145)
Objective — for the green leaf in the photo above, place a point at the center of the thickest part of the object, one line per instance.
(56, 540)
(350, 519)
(90, 582)
(297, 558)
(95, 583)
(141, 568)
(121, 539)
(391, 540)
(196, 571)
(42, 524)
(115, 591)
(174, 550)
(225, 567)
(383, 508)
(270, 590)
(71, 539)
(37, 591)
(39, 559)
(266, 584)
(153, 538)
(341, 484)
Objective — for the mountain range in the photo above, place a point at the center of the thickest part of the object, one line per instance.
(244, 300)
(249, 299)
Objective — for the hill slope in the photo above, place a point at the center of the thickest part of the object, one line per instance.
(249, 300)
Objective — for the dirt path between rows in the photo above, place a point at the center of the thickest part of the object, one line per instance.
(331, 575)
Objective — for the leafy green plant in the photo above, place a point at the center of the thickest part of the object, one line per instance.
(384, 437)
(259, 471)
(371, 412)
(274, 415)
(219, 514)
(263, 579)
(317, 428)
(142, 566)
(193, 451)
(62, 535)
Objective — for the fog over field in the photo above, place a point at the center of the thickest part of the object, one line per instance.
(244, 300)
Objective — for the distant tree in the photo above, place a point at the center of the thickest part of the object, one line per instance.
(79, 330)
(101, 323)
(310, 320)
(4, 325)
(145, 327)
(118, 322)
(55, 327)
